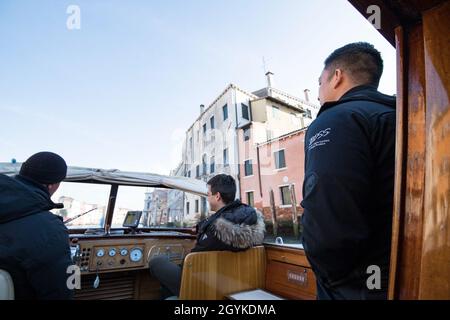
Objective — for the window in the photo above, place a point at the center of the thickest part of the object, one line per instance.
(204, 129)
(280, 161)
(187, 207)
(275, 112)
(245, 114)
(285, 195)
(212, 165)
(269, 134)
(308, 113)
(152, 216)
(197, 171)
(225, 157)
(248, 167)
(250, 199)
(246, 134)
(204, 207)
(191, 144)
(189, 174)
(294, 119)
(76, 201)
(196, 206)
(225, 112)
(204, 166)
(212, 122)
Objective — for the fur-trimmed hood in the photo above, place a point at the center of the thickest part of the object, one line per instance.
(238, 225)
(240, 235)
(235, 227)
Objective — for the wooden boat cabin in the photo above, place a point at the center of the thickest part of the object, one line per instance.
(420, 263)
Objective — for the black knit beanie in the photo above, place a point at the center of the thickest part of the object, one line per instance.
(45, 168)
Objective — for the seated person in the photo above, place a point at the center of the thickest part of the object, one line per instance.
(234, 226)
(34, 243)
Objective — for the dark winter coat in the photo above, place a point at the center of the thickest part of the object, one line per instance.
(349, 183)
(34, 243)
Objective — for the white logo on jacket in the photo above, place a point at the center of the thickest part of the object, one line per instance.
(314, 140)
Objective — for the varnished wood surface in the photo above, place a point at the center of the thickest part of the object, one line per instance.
(412, 109)
(400, 154)
(213, 275)
(287, 255)
(281, 281)
(289, 273)
(420, 263)
(149, 247)
(435, 271)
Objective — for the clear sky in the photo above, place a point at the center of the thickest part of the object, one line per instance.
(121, 91)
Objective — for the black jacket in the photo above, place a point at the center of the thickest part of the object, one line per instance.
(34, 243)
(235, 227)
(349, 183)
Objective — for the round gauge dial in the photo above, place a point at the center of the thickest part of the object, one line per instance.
(123, 252)
(136, 255)
(112, 252)
(100, 253)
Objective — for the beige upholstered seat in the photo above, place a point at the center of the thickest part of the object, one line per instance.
(6, 286)
(212, 275)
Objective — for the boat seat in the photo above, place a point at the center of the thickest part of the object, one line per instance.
(6, 286)
(213, 275)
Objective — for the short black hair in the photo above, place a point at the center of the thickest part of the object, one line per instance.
(224, 184)
(361, 60)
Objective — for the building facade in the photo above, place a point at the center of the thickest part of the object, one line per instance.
(155, 211)
(275, 165)
(212, 143)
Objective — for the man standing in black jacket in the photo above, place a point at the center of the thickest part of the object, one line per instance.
(34, 243)
(234, 226)
(349, 178)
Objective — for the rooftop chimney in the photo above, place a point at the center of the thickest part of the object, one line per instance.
(270, 82)
(306, 91)
(202, 108)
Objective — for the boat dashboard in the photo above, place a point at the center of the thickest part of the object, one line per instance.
(99, 252)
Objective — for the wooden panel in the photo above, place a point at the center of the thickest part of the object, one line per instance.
(91, 246)
(213, 275)
(289, 273)
(435, 272)
(287, 255)
(117, 286)
(147, 287)
(413, 108)
(400, 154)
(420, 242)
(290, 281)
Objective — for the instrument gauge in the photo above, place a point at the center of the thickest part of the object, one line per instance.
(123, 252)
(100, 253)
(112, 252)
(136, 255)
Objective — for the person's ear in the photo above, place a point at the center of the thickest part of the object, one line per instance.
(53, 187)
(337, 79)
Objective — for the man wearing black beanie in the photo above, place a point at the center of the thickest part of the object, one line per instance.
(34, 243)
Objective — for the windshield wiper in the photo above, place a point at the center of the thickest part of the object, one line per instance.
(79, 215)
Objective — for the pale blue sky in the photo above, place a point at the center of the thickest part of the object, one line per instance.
(120, 91)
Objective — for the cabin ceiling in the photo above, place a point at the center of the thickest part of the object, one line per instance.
(395, 13)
